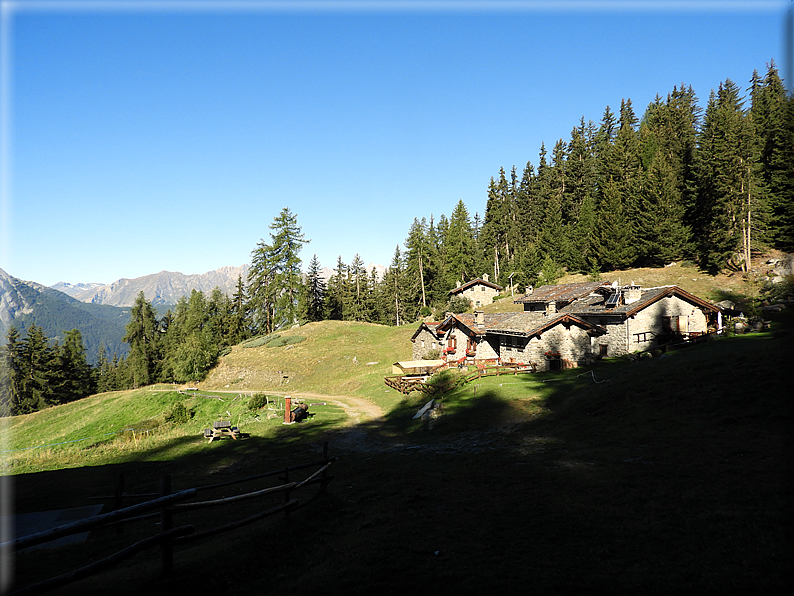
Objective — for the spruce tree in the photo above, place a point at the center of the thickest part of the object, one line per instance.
(140, 334)
(731, 204)
(314, 292)
(459, 247)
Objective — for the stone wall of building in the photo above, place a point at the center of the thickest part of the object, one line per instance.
(572, 344)
(480, 295)
(640, 332)
(424, 343)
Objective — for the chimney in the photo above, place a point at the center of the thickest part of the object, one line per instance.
(479, 318)
(457, 284)
(551, 307)
(485, 277)
(631, 293)
(529, 291)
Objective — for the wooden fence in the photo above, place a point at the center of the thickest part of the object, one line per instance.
(407, 383)
(167, 505)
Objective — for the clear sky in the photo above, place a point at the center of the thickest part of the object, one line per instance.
(143, 136)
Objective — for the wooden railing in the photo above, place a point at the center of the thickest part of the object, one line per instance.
(166, 506)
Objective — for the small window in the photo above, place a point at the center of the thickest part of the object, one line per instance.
(603, 349)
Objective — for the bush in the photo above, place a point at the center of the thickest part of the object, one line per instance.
(279, 341)
(260, 340)
(458, 304)
(433, 355)
(178, 414)
(257, 401)
(425, 311)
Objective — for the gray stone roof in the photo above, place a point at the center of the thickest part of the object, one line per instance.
(531, 323)
(596, 305)
(562, 292)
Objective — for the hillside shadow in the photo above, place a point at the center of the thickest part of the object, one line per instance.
(653, 476)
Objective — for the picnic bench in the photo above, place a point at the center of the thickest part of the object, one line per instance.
(220, 429)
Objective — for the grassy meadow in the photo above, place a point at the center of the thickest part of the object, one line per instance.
(665, 475)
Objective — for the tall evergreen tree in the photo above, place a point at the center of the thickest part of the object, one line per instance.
(314, 292)
(459, 247)
(730, 200)
(774, 135)
(275, 275)
(141, 335)
(72, 378)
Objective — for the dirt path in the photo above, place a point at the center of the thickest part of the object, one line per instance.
(357, 409)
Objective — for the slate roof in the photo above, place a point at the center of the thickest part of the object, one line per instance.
(595, 305)
(467, 320)
(474, 282)
(533, 323)
(562, 292)
(431, 327)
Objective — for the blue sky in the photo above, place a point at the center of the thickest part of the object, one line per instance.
(143, 136)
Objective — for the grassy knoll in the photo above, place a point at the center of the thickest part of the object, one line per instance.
(335, 359)
(668, 475)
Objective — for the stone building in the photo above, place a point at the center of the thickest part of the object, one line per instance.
(638, 319)
(478, 291)
(567, 325)
(426, 342)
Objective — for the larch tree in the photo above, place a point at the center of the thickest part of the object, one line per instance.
(275, 275)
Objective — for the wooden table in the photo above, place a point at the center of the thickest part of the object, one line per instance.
(220, 429)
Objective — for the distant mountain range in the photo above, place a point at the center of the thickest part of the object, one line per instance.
(161, 289)
(101, 311)
(26, 303)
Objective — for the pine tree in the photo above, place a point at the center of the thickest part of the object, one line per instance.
(730, 200)
(459, 247)
(356, 309)
(239, 314)
(140, 334)
(337, 293)
(275, 275)
(10, 374)
(71, 375)
(418, 261)
(769, 117)
(314, 292)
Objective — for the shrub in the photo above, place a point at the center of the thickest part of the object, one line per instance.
(257, 401)
(458, 304)
(279, 341)
(433, 355)
(445, 380)
(260, 340)
(425, 311)
(178, 414)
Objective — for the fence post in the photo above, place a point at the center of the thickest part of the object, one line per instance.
(117, 502)
(166, 546)
(286, 492)
(287, 409)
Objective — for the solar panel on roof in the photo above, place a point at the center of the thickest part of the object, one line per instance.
(613, 299)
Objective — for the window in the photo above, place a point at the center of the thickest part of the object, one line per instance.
(603, 349)
(641, 337)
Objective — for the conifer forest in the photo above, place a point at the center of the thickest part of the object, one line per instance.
(709, 185)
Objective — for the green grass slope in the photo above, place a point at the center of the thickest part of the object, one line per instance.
(336, 358)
